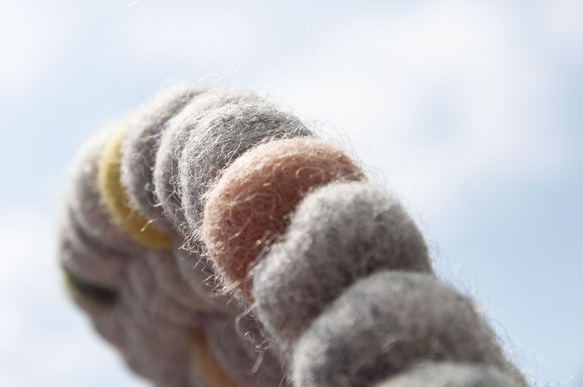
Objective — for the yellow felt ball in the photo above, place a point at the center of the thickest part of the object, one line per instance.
(116, 201)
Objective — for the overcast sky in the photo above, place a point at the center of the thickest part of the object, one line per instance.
(471, 112)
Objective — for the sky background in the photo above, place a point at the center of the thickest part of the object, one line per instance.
(471, 112)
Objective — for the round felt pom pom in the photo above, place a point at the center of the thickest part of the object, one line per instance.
(386, 323)
(452, 375)
(249, 207)
(337, 235)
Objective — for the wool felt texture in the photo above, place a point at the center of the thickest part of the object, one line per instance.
(140, 149)
(150, 345)
(241, 354)
(153, 348)
(88, 295)
(341, 232)
(167, 188)
(215, 241)
(116, 200)
(223, 135)
(207, 365)
(450, 375)
(168, 279)
(87, 257)
(85, 201)
(147, 293)
(254, 195)
(400, 318)
(101, 311)
(196, 273)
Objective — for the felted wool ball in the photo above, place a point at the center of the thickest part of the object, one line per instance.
(106, 324)
(386, 323)
(87, 257)
(452, 375)
(169, 281)
(168, 190)
(142, 284)
(248, 207)
(153, 348)
(99, 303)
(195, 272)
(140, 149)
(338, 234)
(90, 297)
(222, 135)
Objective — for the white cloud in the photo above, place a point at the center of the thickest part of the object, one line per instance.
(187, 36)
(30, 36)
(564, 20)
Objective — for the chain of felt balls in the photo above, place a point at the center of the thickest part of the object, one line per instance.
(207, 202)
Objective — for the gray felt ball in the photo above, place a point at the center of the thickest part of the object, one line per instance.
(154, 348)
(169, 281)
(147, 293)
(338, 234)
(387, 322)
(222, 135)
(101, 306)
(452, 375)
(105, 321)
(87, 257)
(141, 145)
(165, 177)
(197, 274)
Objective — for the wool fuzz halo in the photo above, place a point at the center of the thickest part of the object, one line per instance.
(247, 208)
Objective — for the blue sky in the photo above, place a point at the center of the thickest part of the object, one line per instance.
(469, 111)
